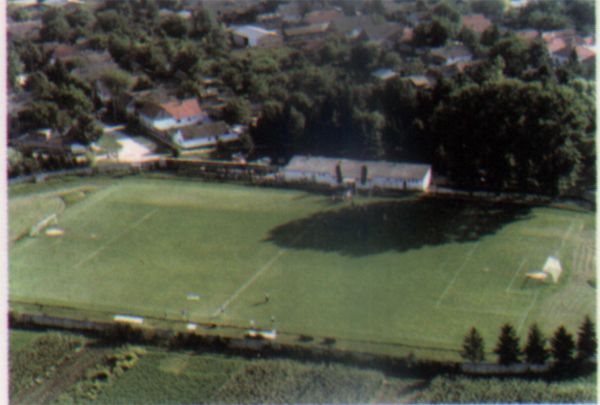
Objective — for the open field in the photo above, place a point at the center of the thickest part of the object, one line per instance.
(381, 273)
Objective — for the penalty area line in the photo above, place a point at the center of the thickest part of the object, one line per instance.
(252, 279)
(113, 239)
(526, 313)
(515, 275)
(460, 269)
(248, 283)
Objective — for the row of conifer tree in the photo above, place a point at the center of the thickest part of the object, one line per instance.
(563, 349)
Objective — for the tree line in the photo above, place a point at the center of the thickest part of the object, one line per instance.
(566, 352)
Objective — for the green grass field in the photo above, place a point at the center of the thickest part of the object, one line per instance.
(382, 273)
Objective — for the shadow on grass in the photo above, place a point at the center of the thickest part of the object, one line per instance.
(396, 225)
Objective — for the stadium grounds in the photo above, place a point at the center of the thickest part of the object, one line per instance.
(383, 274)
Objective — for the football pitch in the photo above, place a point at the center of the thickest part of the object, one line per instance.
(415, 271)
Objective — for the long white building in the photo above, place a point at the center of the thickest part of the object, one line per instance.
(363, 174)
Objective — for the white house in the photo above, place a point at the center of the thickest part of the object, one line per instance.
(172, 114)
(253, 36)
(449, 55)
(200, 136)
(363, 174)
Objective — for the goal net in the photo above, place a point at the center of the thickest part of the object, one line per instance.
(553, 268)
(40, 226)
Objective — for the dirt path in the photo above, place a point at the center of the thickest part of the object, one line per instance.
(67, 374)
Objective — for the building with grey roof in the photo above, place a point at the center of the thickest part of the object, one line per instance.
(253, 36)
(362, 174)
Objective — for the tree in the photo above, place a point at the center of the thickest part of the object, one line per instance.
(535, 349)
(473, 348)
(515, 53)
(586, 340)
(175, 26)
(79, 17)
(110, 146)
(493, 9)
(117, 82)
(519, 135)
(490, 36)
(85, 129)
(237, 111)
(202, 22)
(468, 37)
(445, 10)
(433, 33)
(54, 25)
(582, 14)
(42, 114)
(363, 58)
(15, 67)
(507, 348)
(39, 85)
(562, 348)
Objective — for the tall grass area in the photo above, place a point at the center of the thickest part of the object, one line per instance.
(493, 390)
(162, 377)
(171, 378)
(33, 362)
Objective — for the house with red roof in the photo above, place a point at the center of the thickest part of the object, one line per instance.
(476, 22)
(322, 16)
(171, 114)
(584, 54)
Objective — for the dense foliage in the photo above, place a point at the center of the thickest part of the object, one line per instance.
(493, 390)
(518, 135)
(530, 122)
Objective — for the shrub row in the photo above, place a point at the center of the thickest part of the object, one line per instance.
(40, 359)
(97, 378)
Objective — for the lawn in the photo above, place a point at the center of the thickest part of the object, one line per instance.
(376, 275)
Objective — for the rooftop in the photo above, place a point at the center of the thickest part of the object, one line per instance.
(353, 168)
(205, 130)
(476, 22)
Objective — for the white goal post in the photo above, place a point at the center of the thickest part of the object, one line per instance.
(553, 268)
(51, 219)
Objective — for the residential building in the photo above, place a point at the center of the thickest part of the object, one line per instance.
(172, 114)
(205, 135)
(306, 32)
(254, 36)
(476, 22)
(322, 16)
(449, 55)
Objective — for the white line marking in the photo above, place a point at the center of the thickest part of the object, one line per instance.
(526, 314)
(95, 252)
(460, 269)
(479, 311)
(252, 279)
(589, 258)
(515, 275)
(567, 235)
(249, 282)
